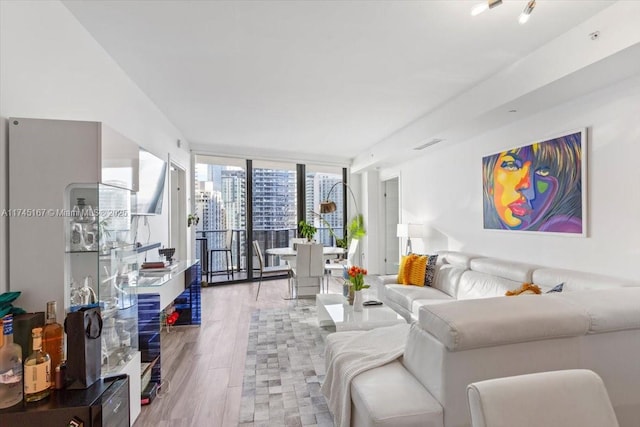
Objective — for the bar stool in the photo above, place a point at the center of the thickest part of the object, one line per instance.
(228, 255)
(204, 256)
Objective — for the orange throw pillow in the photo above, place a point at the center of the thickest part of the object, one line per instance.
(403, 267)
(526, 288)
(412, 270)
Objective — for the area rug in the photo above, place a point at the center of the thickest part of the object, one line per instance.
(284, 369)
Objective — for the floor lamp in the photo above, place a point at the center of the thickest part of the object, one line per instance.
(355, 228)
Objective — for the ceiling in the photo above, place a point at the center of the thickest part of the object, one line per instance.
(319, 80)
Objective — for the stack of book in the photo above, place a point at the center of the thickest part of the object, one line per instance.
(155, 264)
(160, 267)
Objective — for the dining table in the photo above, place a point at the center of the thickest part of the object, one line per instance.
(288, 254)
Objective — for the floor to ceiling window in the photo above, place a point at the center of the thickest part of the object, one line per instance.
(324, 183)
(274, 207)
(220, 200)
(263, 201)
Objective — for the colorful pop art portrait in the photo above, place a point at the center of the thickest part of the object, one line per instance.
(538, 187)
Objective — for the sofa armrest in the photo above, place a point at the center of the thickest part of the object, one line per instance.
(467, 324)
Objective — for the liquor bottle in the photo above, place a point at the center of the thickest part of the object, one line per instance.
(37, 370)
(52, 338)
(11, 381)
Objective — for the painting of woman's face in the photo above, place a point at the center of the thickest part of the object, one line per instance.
(523, 187)
(537, 187)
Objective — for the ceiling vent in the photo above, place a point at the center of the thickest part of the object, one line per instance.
(428, 144)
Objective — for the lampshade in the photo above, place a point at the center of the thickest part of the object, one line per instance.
(327, 206)
(410, 230)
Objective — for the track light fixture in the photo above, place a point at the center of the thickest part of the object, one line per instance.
(524, 16)
(490, 4)
(485, 5)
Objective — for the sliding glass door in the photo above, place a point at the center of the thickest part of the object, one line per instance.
(220, 200)
(263, 201)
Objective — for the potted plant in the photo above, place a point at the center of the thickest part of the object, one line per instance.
(192, 219)
(306, 230)
(354, 230)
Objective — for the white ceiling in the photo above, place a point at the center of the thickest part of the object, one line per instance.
(322, 80)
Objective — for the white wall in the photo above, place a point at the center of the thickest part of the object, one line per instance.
(50, 67)
(444, 188)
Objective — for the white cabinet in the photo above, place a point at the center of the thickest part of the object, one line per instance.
(56, 169)
(45, 156)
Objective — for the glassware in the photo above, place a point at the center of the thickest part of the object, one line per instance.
(11, 380)
(37, 371)
(52, 338)
(86, 292)
(84, 227)
(74, 294)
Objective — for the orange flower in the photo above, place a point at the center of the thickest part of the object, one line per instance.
(356, 277)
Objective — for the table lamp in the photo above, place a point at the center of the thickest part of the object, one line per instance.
(408, 231)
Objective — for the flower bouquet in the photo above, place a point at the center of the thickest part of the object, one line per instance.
(355, 275)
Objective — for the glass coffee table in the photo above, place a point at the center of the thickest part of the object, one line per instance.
(334, 310)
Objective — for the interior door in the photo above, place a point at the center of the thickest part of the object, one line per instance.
(392, 217)
(178, 206)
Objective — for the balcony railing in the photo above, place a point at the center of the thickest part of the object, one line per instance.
(214, 264)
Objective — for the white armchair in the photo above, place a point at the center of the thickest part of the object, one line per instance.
(567, 398)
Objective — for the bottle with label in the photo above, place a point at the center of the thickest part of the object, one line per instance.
(52, 338)
(37, 370)
(11, 381)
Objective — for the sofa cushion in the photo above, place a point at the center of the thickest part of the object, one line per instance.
(430, 273)
(577, 280)
(459, 259)
(462, 325)
(556, 288)
(516, 271)
(402, 269)
(391, 396)
(412, 269)
(417, 303)
(447, 278)
(474, 285)
(524, 289)
(405, 295)
(608, 309)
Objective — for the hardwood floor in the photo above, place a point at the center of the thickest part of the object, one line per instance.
(203, 366)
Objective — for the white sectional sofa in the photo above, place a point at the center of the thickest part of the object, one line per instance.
(462, 276)
(465, 330)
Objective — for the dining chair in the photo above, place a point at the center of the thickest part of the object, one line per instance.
(226, 249)
(295, 241)
(341, 264)
(309, 268)
(285, 268)
(293, 244)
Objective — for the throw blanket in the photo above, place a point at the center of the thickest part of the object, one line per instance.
(353, 353)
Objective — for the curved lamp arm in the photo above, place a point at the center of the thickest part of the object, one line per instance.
(328, 206)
